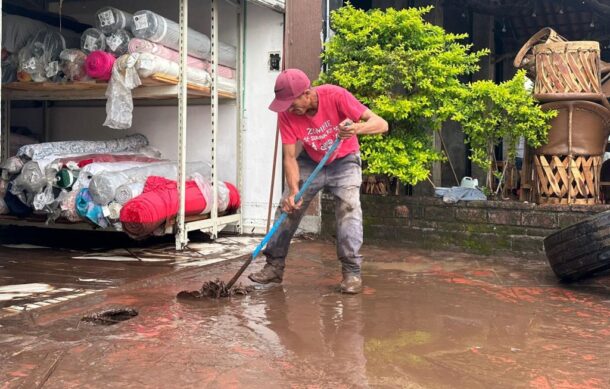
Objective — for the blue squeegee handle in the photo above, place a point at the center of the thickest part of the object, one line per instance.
(297, 198)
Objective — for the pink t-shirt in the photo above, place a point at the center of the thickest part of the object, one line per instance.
(318, 132)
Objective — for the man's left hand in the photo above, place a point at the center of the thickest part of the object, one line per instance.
(347, 129)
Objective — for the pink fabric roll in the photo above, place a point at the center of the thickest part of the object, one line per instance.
(99, 65)
(137, 45)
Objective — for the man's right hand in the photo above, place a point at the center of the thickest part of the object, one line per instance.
(289, 205)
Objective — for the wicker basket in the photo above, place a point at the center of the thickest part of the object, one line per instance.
(567, 180)
(567, 168)
(568, 71)
(525, 59)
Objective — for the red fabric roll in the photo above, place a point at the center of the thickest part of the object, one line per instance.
(99, 65)
(159, 201)
(234, 200)
(84, 160)
(88, 159)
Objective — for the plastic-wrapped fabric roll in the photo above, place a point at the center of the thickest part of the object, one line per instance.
(39, 55)
(117, 43)
(99, 65)
(31, 179)
(206, 188)
(92, 40)
(86, 208)
(149, 64)
(65, 178)
(103, 186)
(155, 28)
(10, 67)
(41, 150)
(89, 171)
(234, 198)
(3, 207)
(86, 159)
(72, 64)
(146, 213)
(137, 45)
(68, 207)
(110, 19)
(126, 192)
(12, 165)
(15, 205)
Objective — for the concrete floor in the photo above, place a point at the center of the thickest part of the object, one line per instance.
(425, 320)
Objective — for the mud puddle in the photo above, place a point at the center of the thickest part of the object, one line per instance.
(445, 320)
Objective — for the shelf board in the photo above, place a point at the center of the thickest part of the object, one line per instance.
(194, 222)
(158, 86)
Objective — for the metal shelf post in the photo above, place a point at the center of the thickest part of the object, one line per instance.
(181, 232)
(241, 12)
(214, 113)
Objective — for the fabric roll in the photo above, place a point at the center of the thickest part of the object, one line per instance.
(12, 165)
(72, 64)
(31, 179)
(117, 43)
(148, 64)
(39, 58)
(137, 45)
(159, 202)
(83, 160)
(110, 19)
(92, 40)
(89, 171)
(99, 65)
(205, 186)
(68, 207)
(87, 209)
(3, 207)
(155, 28)
(3, 188)
(42, 150)
(65, 178)
(103, 186)
(15, 205)
(124, 193)
(114, 211)
(234, 198)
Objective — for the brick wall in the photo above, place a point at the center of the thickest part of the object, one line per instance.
(484, 227)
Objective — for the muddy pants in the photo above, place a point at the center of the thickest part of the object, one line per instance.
(342, 178)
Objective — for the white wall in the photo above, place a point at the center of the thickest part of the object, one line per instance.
(264, 34)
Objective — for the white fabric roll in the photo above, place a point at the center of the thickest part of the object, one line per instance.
(126, 192)
(155, 28)
(92, 169)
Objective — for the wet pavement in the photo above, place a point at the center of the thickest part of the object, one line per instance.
(425, 320)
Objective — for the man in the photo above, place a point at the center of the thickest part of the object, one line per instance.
(316, 116)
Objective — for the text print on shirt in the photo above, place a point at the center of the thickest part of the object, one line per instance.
(322, 132)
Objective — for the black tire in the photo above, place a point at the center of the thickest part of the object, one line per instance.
(581, 249)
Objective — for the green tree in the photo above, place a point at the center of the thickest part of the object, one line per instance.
(407, 71)
(491, 113)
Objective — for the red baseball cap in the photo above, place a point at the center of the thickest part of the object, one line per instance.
(290, 84)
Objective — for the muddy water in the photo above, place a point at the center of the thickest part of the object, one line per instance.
(429, 320)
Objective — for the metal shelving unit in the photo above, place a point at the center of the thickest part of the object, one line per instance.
(158, 89)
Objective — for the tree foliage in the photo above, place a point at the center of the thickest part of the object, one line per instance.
(490, 113)
(407, 71)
